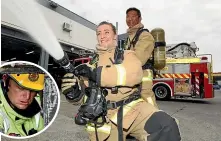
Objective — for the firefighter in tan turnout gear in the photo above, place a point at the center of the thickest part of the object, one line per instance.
(113, 96)
(142, 42)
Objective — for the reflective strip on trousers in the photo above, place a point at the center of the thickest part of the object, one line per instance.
(84, 99)
(149, 76)
(126, 109)
(150, 100)
(121, 75)
(103, 129)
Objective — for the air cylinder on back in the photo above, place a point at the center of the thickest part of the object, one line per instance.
(159, 53)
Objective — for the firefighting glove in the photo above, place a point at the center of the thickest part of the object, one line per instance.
(86, 71)
(71, 88)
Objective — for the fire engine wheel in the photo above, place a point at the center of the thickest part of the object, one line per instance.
(162, 92)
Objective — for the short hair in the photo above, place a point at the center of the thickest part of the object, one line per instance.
(108, 23)
(134, 9)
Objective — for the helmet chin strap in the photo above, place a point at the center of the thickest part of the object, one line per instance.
(5, 90)
(5, 83)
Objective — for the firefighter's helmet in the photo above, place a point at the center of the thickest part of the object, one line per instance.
(31, 81)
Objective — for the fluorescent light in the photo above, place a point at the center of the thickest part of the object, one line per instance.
(29, 52)
(7, 60)
(13, 58)
(50, 64)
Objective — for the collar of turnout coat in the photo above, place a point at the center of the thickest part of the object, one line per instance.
(109, 48)
(134, 29)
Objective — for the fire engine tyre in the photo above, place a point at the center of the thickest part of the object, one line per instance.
(162, 92)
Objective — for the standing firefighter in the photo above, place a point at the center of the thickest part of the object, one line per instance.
(20, 103)
(114, 108)
(142, 42)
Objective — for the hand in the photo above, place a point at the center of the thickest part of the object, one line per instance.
(86, 71)
(68, 83)
(70, 87)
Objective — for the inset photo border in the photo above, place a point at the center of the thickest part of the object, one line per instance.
(29, 100)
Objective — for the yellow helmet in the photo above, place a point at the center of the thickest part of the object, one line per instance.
(31, 81)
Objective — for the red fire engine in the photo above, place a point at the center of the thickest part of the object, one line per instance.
(181, 77)
(185, 77)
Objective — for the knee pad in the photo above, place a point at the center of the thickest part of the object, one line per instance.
(162, 127)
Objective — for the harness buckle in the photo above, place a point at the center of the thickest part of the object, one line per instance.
(111, 105)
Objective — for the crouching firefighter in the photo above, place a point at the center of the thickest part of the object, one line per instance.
(114, 108)
(149, 48)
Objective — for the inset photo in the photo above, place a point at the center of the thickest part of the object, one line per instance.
(29, 99)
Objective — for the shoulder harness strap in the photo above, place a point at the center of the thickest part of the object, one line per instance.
(94, 60)
(136, 37)
(118, 55)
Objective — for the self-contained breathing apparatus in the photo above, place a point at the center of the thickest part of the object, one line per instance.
(158, 59)
(95, 105)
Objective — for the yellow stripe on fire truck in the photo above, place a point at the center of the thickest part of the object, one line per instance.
(179, 76)
(174, 75)
(182, 60)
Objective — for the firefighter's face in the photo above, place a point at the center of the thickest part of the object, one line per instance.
(18, 96)
(106, 36)
(132, 18)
